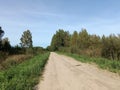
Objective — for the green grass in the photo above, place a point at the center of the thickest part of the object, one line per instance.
(111, 65)
(25, 75)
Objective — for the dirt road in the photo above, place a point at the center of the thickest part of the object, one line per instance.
(65, 73)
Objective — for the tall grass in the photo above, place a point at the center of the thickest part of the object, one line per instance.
(25, 75)
(111, 65)
(14, 60)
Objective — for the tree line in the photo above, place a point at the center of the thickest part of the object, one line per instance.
(83, 43)
(26, 41)
(24, 47)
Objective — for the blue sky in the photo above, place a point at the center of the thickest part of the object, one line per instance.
(44, 17)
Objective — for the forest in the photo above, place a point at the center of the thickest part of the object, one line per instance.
(83, 43)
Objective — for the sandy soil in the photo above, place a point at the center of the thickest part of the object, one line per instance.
(65, 73)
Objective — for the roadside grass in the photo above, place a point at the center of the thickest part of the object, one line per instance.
(111, 65)
(25, 75)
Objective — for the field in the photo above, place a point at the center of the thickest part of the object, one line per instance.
(25, 75)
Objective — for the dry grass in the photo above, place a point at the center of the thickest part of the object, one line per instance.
(19, 58)
(14, 60)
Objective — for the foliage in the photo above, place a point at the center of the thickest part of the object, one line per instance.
(111, 47)
(38, 50)
(83, 43)
(83, 39)
(16, 50)
(25, 75)
(1, 33)
(26, 39)
(60, 39)
(74, 42)
(5, 45)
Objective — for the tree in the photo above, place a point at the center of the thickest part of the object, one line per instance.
(6, 45)
(26, 39)
(1, 35)
(83, 39)
(111, 47)
(74, 42)
(118, 47)
(60, 39)
(84, 43)
(95, 45)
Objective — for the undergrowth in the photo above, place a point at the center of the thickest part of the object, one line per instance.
(25, 75)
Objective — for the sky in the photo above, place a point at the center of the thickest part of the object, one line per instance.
(44, 17)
